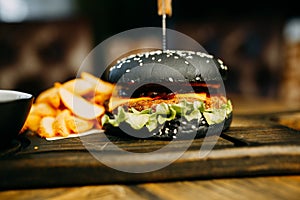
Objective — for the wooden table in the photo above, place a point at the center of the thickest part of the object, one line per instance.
(273, 187)
(261, 179)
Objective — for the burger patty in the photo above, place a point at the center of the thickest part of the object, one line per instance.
(210, 102)
(145, 104)
(215, 102)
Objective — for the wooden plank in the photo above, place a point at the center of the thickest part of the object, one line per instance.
(54, 169)
(84, 192)
(263, 130)
(40, 145)
(270, 187)
(285, 187)
(41, 163)
(266, 136)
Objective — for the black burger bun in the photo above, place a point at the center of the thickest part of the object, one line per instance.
(194, 66)
(165, 77)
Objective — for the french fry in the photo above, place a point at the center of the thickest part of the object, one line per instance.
(79, 86)
(59, 125)
(49, 96)
(79, 106)
(46, 127)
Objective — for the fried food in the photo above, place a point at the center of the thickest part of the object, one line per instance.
(101, 87)
(45, 128)
(33, 122)
(79, 86)
(43, 109)
(79, 106)
(69, 108)
(59, 125)
(49, 96)
(77, 125)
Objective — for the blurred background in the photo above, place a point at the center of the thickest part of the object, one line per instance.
(44, 41)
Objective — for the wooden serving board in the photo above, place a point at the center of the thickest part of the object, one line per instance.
(254, 145)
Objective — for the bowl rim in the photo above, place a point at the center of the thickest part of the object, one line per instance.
(22, 95)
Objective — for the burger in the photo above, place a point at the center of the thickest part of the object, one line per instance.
(167, 94)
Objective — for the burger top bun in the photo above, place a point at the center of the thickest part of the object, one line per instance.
(167, 66)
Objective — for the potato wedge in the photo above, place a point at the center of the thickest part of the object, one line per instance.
(46, 127)
(49, 96)
(89, 77)
(79, 106)
(70, 107)
(77, 125)
(104, 88)
(33, 122)
(79, 86)
(43, 109)
(101, 87)
(59, 125)
(100, 99)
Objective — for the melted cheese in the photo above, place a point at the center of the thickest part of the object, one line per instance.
(116, 101)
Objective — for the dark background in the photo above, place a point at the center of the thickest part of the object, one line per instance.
(111, 17)
(247, 36)
(253, 72)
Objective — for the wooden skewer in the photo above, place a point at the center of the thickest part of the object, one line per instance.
(164, 8)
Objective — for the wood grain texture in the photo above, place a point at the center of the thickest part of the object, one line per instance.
(266, 148)
(271, 187)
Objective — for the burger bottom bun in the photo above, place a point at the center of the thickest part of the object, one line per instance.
(184, 131)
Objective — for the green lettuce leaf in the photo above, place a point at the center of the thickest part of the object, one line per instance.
(195, 114)
(215, 116)
(163, 112)
(152, 122)
(137, 121)
(163, 118)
